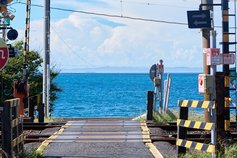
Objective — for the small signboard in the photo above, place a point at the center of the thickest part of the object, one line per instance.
(213, 56)
(228, 58)
(201, 87)
(199, 19)
(5, 22)
(153, 72)
(206, 84)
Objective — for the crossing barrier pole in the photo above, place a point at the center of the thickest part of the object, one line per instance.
(182, 131)
(150, 98)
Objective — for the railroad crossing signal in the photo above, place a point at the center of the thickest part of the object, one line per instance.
(4, 54)
(199, 19)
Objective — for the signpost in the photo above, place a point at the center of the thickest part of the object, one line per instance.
(213, 56)
(228, 58)
(199, 19)
(153, 72)
(4, 54)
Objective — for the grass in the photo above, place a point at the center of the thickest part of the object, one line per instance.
(229, 152)
(169, 116)
(141, 119)
(197, 155)
(172, 115)
(30, 154)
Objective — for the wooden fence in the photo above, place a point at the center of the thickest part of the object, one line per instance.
(12, 129)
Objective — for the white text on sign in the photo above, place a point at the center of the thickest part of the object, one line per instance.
(2, 54)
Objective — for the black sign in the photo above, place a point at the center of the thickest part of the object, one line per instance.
(153, 71)
(199, 19)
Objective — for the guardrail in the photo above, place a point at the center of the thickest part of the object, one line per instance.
(12, 129)
(183, 123)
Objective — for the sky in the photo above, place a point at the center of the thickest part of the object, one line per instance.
(88, 41)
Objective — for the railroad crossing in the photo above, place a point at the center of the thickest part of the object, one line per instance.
(99, 138)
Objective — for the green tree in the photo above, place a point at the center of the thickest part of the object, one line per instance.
(13, 71)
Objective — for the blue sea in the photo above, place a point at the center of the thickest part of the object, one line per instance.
(115, 95)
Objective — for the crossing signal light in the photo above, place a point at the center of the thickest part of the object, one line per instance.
(12, 34)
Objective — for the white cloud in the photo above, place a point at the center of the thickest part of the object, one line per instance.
(82, 40)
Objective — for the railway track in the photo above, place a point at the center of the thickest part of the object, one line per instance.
(170, 128)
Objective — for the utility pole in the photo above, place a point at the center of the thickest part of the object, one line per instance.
(46, 73)
(206, 5)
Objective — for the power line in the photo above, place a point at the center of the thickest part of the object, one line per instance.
(112, 15)
(116, 16)
(153, 4)
(69, 47)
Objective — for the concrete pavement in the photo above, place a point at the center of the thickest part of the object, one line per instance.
(99, 138)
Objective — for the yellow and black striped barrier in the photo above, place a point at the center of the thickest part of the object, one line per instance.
(197, 104)
(183, 123)
(196, 145)
(196, 124)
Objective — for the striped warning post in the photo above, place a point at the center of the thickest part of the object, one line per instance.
(195, 145)
(197, 104)
(196, 124)
(27, 27)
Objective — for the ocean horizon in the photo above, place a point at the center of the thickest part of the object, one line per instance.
(114, 95)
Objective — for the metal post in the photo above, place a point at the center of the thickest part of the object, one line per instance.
(182, 131)
(167, 92)
(161, 94)
(150, 96)
(220, 128)
(213, 135)
(161, 71)
(213, 97)
(27, 38)
(7, 131)
(46, 74)
(206, 44)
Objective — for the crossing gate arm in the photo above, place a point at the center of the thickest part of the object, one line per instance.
(196, 124)
(196, 145)
(197, 104)
(183, 123)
